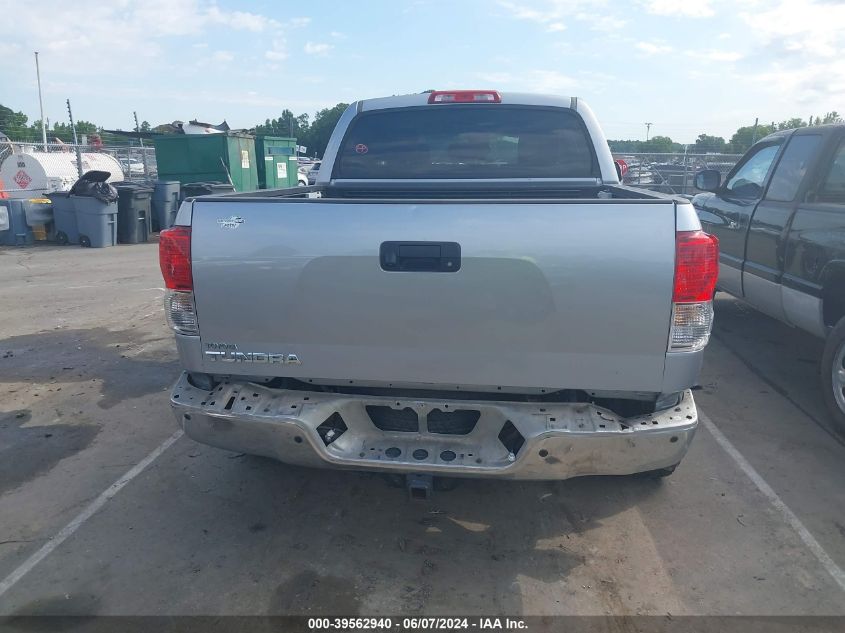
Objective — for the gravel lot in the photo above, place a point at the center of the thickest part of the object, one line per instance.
(753, 522)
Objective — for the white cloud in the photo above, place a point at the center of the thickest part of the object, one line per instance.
(550, 81)
(279, 51)
(299, 22)
(651, 48)
(239, 20)
(338, 35)
(551, 14)
(795, 26)
(223, 56)
(540, 81)
(820, 86)
(118, 35)
(316, 48)
(715, 55)
(602, 22)
(680, 8)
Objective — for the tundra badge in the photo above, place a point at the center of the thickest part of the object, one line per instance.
(269, 358)
(230, 223)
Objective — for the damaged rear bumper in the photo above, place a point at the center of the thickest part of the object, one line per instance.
(472, 438)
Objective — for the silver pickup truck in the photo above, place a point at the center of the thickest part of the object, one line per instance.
(466, 291)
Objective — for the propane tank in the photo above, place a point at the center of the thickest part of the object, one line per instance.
(25, 174)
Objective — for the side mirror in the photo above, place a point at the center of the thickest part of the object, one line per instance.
(708, 180)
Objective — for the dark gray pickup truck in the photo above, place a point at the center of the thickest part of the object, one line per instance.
(780, 220)
(467, 290)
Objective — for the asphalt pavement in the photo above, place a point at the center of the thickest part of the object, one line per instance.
(106, 509)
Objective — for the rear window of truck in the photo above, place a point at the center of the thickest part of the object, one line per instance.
(467, 141)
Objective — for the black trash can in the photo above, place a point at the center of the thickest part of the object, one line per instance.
(196, 189)
(134, 218)
(165, 203)
(218, 188)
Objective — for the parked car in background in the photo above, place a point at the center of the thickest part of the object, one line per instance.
(302, 176)
(780, 220)
(313, 171)
(132, 166)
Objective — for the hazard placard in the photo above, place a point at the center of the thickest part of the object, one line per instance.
(22, 179)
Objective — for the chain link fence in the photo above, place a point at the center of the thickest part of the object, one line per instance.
(672, 173)
(39, 168)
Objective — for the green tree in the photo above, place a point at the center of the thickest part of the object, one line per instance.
(831, 117)
(285, 125)
(744, 136)
(317, 136)
(145, 126)
(13, 124)
(659, 145)
(791, 124)
(706, 143)
(624, 147)
(64, 133)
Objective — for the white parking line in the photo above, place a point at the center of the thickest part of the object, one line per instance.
(789, 516)
(89, 511)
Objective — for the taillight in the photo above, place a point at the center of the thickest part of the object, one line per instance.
(465, 96)
(696, 272)
(174, 256)
(696, 266)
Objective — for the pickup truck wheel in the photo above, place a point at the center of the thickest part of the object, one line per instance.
(833, 374)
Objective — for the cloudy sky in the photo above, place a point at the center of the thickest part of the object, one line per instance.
(687, 66)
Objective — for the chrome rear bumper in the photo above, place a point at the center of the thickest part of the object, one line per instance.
(558, 441)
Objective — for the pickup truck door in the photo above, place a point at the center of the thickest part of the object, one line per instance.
(727, 213)
(766, 242)
(815, 243)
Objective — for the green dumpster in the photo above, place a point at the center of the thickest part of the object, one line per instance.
(208, 158)
(277, 164)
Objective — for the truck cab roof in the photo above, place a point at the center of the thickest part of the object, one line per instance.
(511, 98)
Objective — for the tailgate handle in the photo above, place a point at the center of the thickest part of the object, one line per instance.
(430, 257)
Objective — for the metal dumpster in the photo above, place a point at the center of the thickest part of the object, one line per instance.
(192, 158)
(277, 165)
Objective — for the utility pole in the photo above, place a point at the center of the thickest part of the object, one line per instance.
(143, 151)
(647, 130)
(40, 103)
(75, 141)
(754, 131)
